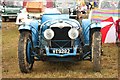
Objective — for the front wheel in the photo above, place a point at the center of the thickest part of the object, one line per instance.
(25, 57)
(96, 50)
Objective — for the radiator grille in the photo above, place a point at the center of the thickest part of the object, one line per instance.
(61, 38)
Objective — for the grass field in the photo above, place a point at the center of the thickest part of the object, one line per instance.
(10, 68)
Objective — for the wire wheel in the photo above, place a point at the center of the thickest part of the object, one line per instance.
(96, 51)
(26, 60)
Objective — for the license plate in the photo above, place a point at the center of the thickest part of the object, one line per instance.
(61, 51)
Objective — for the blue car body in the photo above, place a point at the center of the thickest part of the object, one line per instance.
(39, 40)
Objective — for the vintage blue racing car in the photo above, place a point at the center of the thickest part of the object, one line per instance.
(58, 37)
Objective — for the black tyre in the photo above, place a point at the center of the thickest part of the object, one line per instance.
(96, 51)
(25, 57)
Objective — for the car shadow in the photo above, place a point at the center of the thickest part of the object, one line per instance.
(62, 67)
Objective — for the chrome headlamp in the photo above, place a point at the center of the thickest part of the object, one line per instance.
(73, 33)
(3, 11)
(48, 34)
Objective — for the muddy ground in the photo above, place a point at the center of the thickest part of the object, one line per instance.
(83, 69)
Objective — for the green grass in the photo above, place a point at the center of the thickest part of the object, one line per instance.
(10, 68)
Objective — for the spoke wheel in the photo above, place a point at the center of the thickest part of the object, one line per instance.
(25, 57)
(96, 51)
